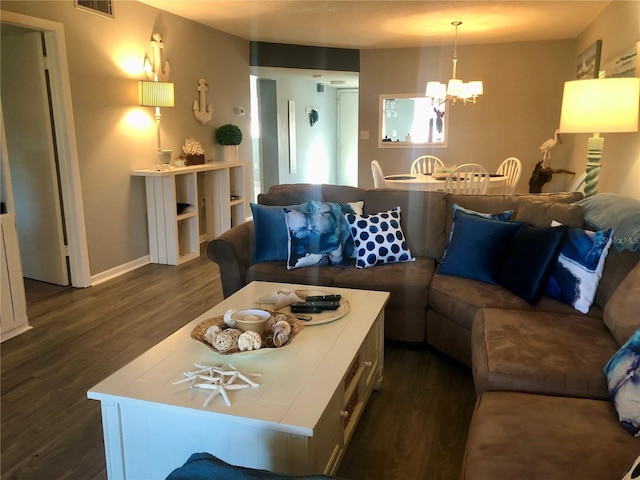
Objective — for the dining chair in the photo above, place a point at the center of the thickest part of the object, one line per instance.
(468, 179)
(425, 164)
(510, 168)
(378, 176)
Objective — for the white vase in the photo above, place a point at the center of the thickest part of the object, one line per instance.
(230, 153)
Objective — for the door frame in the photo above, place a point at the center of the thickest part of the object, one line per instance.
(66, 141)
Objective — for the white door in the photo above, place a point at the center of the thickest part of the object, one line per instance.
(348, 137)
(32, 156)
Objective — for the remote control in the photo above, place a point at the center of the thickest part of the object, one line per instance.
(328, 298)
(301, 307)
(322, 305)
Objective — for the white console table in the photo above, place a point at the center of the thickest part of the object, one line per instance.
(175, 238)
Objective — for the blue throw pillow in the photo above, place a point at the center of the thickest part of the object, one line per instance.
(348, 249)
(314, 237)
(576, 275)
(478, 247)
(457, 209)
(204, 466)
(272, 236)
(500, 216)
(623, 379)
(378, 238)
(530, 257)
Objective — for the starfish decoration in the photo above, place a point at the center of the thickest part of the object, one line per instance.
(217, 379)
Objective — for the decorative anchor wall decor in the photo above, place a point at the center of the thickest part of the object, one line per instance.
(155, 71)
(203, 114)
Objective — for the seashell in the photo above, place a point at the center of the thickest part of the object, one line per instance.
(281, 332)
(281, 317)
(280, 298)
(271, 321)
(282, 326)
(227, 340)
(230, 322)
(249, 341)
(211, 333)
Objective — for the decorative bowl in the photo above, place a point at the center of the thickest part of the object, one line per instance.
(254, 320)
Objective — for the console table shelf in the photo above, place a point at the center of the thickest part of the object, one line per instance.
(175, 238)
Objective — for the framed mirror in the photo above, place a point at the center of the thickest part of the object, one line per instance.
(411, 120)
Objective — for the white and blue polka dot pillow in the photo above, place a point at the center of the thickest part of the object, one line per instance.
(378, 238)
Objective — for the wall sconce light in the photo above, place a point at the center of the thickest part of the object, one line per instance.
(598, 106)
(157, 94)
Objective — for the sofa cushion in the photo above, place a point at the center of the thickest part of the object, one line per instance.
(499, 203)
(288, 194)
(460, 299)
(529, 259)
(408, 283)
(576, 275)
(423, 215)
(477, 248)
(539, 213)
(314, 236)
(539, 352)
(621, 313)
(524, 436)
(278, 272)
(378, 239)
(623, 379)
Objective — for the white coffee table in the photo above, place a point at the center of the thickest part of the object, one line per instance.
(298, 421)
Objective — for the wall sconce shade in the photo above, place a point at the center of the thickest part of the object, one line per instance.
(600, 105)
(155, 94)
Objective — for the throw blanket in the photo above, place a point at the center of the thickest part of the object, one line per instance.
(607, 210)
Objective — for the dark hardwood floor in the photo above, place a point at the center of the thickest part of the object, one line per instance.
(414, 427)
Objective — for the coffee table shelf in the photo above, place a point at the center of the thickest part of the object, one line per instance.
(298, 421)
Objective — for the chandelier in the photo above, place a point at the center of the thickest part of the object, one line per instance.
(456, 89)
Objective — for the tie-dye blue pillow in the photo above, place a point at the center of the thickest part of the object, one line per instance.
(576, 275)
(623, 378)
(314, 237)
(355, 208)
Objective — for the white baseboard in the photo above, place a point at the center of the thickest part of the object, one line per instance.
(119, 270)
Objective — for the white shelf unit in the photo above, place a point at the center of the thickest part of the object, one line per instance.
(175, 239)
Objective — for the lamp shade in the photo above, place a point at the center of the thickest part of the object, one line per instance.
(600, 105)
(155, 94)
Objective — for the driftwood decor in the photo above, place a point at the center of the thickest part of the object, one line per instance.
(542, 175)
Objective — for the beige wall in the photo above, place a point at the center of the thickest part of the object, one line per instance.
(619, 28)
(105, 57)
(519, 110)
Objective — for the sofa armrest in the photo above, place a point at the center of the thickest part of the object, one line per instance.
(233, 251)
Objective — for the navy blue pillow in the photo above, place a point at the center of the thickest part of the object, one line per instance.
(477, 247)
(272, 235)
(204, 466)
(530, 258)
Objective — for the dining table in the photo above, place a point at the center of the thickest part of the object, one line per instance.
(428, 182)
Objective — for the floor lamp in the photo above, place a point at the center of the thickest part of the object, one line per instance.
(157, 94)
(598, 106)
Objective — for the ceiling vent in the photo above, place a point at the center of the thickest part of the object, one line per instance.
(101, 7)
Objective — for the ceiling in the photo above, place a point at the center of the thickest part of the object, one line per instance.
(388, 24)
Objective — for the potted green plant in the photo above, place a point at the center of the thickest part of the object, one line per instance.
(229, 136)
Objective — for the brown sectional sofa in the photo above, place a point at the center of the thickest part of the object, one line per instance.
(537, 369)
